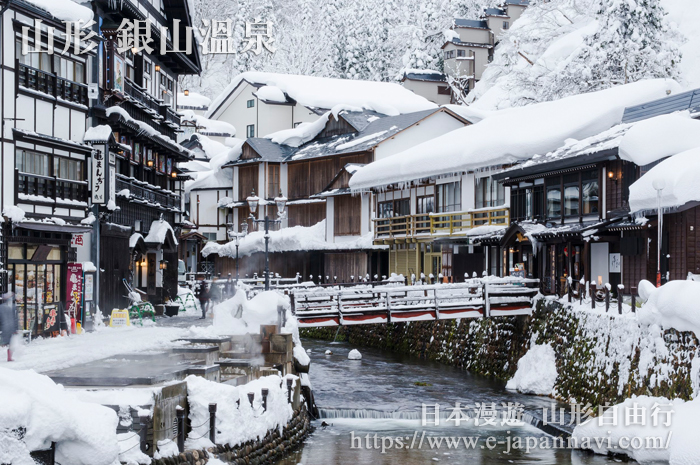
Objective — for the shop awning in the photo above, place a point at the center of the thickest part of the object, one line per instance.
(52, 227)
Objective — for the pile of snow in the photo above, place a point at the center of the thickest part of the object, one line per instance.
(237, 315)
(678, 444)
(354, 354)
(537, 371)
(271, 94)
(303, 133)
(99, 133)
(297, 238)
(206, 125)
(673, 305)
(193, 100)
(482, 144)
(677, 177)
(235, 424)
(318, 92)
(655, 138)
(65, 10)
(13, 213)
(84, 433)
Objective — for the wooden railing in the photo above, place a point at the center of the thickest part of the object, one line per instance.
(50, 84)
(145, 193)
(139, 94)
(438, 224)
(50, 188)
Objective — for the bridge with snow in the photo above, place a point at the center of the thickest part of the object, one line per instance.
(391, 303)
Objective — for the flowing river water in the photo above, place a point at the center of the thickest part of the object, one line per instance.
(383, 394)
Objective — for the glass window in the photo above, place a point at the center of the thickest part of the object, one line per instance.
(66, 168)
(385, 209)
(402, 207)
(449, 197)
(589, 183)
(273, 180)
(425, 204)
(489, 193)
(250, 103)
(571, 195)
(553, 202)
(32, 162)
(250, 130)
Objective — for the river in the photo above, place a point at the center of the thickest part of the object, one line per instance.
(383, 394)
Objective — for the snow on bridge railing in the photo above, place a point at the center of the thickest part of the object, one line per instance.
(391, 303)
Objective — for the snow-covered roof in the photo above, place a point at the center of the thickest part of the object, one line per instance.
(193, 101)
(208, 126)
(318, 92)
(65, 10)
(209, 147)
(159, 232)
(677, 175)
(659, 137)
(219, 179)
(512, 135)
(271, 94)
(134, 240)
(297, 238)
(100, 133)
(472, 23)
(424, 75)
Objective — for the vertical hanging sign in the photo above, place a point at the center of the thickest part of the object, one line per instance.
(74, 289)
(98, 184)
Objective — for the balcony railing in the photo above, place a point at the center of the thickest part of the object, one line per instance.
(50, 84)
(438, 224)
(170, 116)
(50, 189)
(139, 94)
(147, 194)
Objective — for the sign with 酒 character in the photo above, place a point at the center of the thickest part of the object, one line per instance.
(74, 289)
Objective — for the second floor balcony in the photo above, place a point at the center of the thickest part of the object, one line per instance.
(50, 189)
(448, 224)
(141, 192)
(54, 86)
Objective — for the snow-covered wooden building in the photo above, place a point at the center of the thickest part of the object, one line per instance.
(45, 193)
(140, 226)
(311, 166)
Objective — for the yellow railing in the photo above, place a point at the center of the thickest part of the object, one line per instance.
(438, 224)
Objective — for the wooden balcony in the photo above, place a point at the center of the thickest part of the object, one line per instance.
(425, 226)
(36, 188)
(144, 193)
(51, 85)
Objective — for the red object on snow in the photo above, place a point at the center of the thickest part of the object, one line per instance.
(73, 328)
(9, 355)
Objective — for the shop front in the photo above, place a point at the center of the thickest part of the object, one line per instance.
(38, 260)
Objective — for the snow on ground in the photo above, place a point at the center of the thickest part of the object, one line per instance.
(678, 444)
(190, 304)
(662, 136)
(235, 424)
(319, 92)
(62, 352)
(677, 176)
(576, 117)
(537, 372)
(85, 433)
(673, 305)
(287, 240)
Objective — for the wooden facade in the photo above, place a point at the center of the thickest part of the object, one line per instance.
(346, 221)
(309, 177)
(306, 214)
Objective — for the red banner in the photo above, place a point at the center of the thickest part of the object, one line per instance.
(74, 289)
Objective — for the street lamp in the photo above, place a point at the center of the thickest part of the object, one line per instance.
(234, 236)
(253, 202)
(658, 184)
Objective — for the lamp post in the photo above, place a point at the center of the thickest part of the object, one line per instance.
(253, 202)
(234, 236)
(658, 184)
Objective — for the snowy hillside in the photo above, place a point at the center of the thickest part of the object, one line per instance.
(565, 47)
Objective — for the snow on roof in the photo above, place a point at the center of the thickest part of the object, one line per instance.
(213, 179)
(210, 147)
(271, 94)
(301, 134)
(13, 213)
(193, 100)
(297, 238)
(158, 232)
(98, 134)
(227, 156)
(512, 135)
(65, 10)
(678, 175)
(318, 92)
(660, 137)
(134, 239)
(208, 126)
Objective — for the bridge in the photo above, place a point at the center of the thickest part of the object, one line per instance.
(393, 303)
